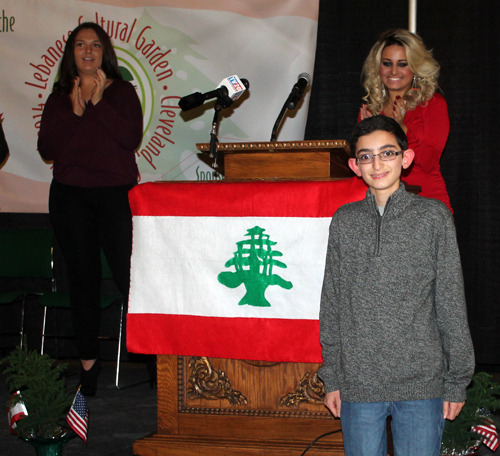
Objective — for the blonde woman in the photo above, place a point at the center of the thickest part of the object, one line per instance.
(400, 79)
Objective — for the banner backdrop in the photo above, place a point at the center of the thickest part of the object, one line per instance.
(166, 49)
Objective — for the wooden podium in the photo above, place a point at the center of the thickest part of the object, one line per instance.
(226, 407)
(303, 160)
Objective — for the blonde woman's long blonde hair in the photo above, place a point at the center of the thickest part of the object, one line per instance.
(420, 61)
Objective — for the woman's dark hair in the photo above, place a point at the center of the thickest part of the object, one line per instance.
(378, 123)
(67, 68)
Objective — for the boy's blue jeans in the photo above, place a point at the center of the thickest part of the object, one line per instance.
(417, 427)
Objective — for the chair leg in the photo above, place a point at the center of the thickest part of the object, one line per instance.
(118, 356)
(56, 332)
(43, 329)
(21, 332)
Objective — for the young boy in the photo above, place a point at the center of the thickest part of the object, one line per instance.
(393, 319)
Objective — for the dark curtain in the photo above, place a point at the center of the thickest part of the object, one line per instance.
(465, 37)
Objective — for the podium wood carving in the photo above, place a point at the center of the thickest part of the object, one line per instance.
(225, 407)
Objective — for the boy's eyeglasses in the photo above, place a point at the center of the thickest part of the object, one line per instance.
(386, 155)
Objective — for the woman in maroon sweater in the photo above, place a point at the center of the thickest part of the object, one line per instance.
(400, 79)
(4, 148)
(90, 129)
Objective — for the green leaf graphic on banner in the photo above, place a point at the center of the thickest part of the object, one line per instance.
(253, 263)
(126, 74)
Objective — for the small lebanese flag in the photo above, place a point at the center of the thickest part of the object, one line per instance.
(16, 412)
(231, 270)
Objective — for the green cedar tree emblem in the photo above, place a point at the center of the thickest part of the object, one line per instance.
(253, 262)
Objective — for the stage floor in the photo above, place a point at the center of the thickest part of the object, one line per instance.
(117, 418)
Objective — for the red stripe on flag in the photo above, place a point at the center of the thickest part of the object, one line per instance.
(245, 199)
(79, 426)
(490, 434)
(264, 339)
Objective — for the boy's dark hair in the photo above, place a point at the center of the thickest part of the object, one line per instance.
(377, 123)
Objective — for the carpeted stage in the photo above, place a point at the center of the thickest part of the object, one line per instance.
(117, 418)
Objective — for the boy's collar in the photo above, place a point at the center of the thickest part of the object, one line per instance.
(401, 190)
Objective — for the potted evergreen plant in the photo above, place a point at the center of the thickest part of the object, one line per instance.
(483, 398)
(40, 386)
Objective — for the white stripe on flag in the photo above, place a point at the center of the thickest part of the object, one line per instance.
(490, 435)
(78, 425)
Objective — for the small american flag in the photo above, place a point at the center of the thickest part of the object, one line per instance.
(78, 416)
(489, 432)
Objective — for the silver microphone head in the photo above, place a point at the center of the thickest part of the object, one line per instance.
(305, 76)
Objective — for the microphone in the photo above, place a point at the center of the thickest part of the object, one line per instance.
(303, 80)
(235, 86)
(291, 102)
(229, 89)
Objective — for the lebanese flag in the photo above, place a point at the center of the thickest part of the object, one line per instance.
(16, 412)
(231, 270)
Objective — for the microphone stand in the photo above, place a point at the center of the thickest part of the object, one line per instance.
(213, 134)
(278, 121)
(223, 101)
(282, 114)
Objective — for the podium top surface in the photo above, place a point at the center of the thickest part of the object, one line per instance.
(270, 146)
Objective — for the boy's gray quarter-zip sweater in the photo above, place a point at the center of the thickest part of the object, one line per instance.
(393, 319)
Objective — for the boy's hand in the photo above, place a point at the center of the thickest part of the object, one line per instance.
(332, 402)
(451, 409)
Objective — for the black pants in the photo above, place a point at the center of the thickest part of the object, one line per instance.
(84, 220)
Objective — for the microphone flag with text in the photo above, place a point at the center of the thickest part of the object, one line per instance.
(229, 90)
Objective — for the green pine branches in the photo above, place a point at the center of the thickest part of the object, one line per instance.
(43, 391)
(483, 397)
